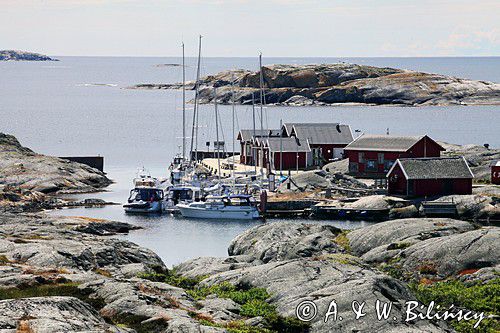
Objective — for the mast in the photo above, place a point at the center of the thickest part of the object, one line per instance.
(217, 132)
(254, 135)
(281, 148)
(261, 112)
(234, 137)
(194, 128)
(183, 104)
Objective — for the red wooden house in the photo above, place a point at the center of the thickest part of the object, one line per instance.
(295, 153)
(495, 173)
(327, 140)
(420, 177)
(247, 143)
(371, 156)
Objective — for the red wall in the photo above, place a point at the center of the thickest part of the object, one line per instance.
(429, 187)
(426, 187)
(425, 145)
(397, 185)
(325, 148)
(290, 160)
(495, 175)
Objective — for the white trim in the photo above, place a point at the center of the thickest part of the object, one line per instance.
(400, 166)
(468, 167)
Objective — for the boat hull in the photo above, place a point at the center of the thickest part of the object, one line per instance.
(219, 214)
(146, 208)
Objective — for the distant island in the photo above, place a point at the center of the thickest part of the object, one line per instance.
(341, 83)
(11, 55)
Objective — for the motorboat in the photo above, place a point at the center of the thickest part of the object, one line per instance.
(177, 194)
(234, 207)
(178, 169)
(146, 196)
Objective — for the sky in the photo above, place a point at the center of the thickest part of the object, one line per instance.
(281, 28)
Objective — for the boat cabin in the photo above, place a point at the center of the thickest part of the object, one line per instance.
(178, 194)
(145, 194)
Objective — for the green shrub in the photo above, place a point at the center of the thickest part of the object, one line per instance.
(476, 297)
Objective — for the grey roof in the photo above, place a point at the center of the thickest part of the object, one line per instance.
(247, 135)
(434, 168)
(321, 133)
(384, 142)
(288, 145)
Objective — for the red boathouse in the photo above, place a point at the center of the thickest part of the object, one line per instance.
(495, 173)
(420, 177)
(371, 156)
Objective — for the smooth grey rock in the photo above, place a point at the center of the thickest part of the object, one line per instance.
(26, 175)
(285, 240)
(51, 315)
(450, 255)
(220, 309)
(292, 281)
(211, 265)
(404, 230)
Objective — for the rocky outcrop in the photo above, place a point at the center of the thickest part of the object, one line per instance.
(87, 282)
(341, 83)
(431, 248)
(51, 315)
(479, 158)
(298, 262)
(11, 55)
(25, 176)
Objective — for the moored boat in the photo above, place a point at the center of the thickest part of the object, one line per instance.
(146, 196)
(235, 207)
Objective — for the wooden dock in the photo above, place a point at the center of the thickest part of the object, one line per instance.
(444, 208)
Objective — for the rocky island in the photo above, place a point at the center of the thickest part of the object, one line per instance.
(12, 55)
(341, 83)
(62, 274)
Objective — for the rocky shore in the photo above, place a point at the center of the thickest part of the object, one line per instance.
(341, 83)
(62, 274)
(67, 274)
(28, 179)
(12, 55)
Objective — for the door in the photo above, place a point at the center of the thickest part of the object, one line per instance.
(338, 152)
(448, 186)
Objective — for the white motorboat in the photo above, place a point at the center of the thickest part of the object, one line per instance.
(146, 196)
(177, 194)
(235, 207)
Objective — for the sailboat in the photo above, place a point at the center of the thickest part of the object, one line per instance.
(236, 207)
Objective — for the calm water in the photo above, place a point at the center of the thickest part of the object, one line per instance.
(79, 106)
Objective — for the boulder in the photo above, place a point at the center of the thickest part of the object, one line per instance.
(403, 231)
(21, 168)
(51, 315)
(283, 241)
(453, 254)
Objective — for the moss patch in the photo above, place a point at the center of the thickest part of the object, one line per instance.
(342, 241)
(476, 297)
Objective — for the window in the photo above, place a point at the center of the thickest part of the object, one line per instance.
(361, 157)
(371, 165)
(380, 158)
(388, 165)
(353, 167)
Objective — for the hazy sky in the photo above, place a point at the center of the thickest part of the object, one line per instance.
(245, 27)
